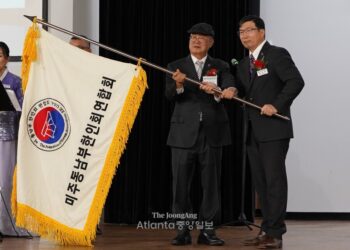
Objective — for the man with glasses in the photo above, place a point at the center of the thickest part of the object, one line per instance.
(269, 78)
(198, 131)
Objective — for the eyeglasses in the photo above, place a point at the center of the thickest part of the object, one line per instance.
(197, 37)
(247, 31)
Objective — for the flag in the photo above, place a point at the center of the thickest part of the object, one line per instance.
(77, 113)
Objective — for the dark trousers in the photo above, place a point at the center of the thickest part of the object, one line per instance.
(183, 165)
(267, 162)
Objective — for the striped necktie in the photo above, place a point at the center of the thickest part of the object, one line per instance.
(199, 68)
(251, 66)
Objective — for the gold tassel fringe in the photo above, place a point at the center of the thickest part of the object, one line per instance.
(29, 53)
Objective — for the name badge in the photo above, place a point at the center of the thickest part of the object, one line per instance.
(262, 72)
(212, 79)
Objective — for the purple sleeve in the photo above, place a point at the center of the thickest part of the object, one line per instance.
(15, 84)
(18, 91)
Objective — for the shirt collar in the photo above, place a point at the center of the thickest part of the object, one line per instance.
(2, 77)
(256, 52)
(195, 59)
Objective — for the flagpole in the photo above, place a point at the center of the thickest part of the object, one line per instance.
(141, 60)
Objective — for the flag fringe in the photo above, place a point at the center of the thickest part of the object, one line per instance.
(29, 53)
(14, 193)
(51, 229)
(45, 226)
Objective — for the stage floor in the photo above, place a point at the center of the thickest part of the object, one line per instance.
(301, 235)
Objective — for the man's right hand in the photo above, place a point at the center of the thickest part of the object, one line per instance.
(179, 78)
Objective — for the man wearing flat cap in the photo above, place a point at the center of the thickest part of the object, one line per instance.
(198, 131)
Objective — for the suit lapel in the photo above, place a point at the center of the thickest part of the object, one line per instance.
(264, 51)
(208, 64)
(261, 55)
(191, 68)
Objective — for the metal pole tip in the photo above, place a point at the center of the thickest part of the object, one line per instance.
(31, 18)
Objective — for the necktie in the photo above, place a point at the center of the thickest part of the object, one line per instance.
(199, 68)
(251, 66)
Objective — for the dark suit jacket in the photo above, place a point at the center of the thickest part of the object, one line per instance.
(185, 122)
(279, 87)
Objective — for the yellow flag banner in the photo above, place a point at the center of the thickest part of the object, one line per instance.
(77, 114)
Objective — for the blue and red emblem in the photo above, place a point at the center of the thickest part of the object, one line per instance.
(48, 124)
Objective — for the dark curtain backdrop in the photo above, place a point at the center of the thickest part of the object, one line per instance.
(157, 31)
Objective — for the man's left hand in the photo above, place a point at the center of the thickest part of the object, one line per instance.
(229, 93)
(268, 109)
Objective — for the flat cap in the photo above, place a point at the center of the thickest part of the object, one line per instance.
(203, 29)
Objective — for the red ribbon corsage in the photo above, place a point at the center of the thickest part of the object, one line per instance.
(212, 72)
(259, 64)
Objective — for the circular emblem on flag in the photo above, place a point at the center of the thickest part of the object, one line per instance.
(48, 124)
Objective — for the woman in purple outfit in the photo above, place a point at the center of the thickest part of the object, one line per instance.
(8, 147)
